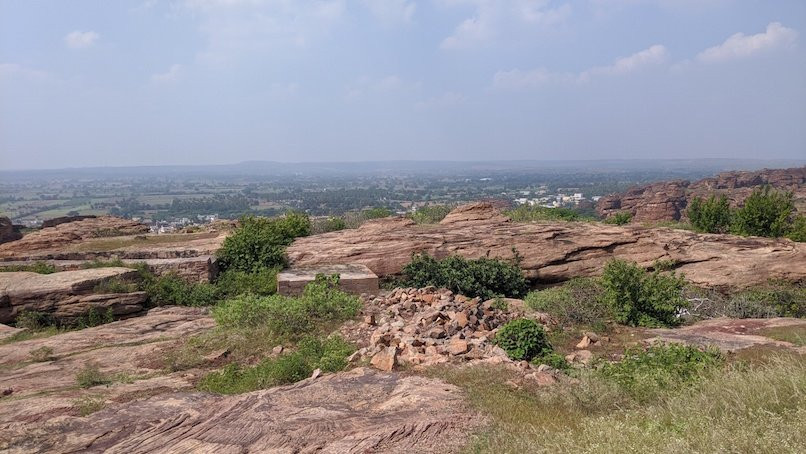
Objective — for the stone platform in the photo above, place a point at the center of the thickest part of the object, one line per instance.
(353, 278)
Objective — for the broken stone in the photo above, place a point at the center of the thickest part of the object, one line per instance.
(458, 347)
(385, 359)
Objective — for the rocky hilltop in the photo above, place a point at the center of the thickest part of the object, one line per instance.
(667, 201)
(555, 251)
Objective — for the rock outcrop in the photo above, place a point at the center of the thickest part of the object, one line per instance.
(8, 232)
(66, 295)
(731, 335)
(556, 251)
(667, 201)
(64, 234)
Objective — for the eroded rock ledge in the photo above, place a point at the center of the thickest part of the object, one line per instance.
(556, 251)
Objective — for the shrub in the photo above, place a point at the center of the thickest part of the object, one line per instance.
(485, 278)
(430, 214)
(320, 302)
(659, 369)
(523, 339)
(642, 299)
(552, 359)
(33, 320)
(105, 264)
(788, 300)
(712, 215)
(576, 302)
(170, 289)
(42, 354)
(620, 218)
(765, 213)
(260, 242)
(234, 282)
(329, 355)
(94, 317)
(798, 230)
(529, 213)
(376, 213)
(90, 375)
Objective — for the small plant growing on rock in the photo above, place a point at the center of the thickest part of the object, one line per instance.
(523, 339)
(90, 375)
(88, 405)
(33, 320)
(485, 278)
(42, 354)
(620, 218)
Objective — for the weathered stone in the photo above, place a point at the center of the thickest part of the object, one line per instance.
(7, 231)
(354, 278)
(457, 347)
(584, 343)
(385, 359)
(558, 251)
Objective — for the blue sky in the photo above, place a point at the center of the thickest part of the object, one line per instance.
(148, 82)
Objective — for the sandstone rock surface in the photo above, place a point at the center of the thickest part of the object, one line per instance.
(556, 251)
(729, 334)
(65, 295)
(70, 232)
(7, 231)
(667, 201)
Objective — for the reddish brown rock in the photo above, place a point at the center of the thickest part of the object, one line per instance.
(667, 201)
(8, 232)
(558, 251)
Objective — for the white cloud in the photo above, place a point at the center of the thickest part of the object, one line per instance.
(654, 55)
(10, 70)
(742, 46)
(494, 17)
(173, 74)
(81, 40)
(517, 79)
(392, 11)
(236, 28)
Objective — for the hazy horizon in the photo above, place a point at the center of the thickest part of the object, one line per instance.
(90, 83)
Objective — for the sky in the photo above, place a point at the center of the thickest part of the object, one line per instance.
(150, 82)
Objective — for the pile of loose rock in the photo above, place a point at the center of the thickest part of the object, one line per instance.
(422, 327)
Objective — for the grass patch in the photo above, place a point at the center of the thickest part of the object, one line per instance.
(795, 335)
(90, 375)
(329, 355)
(36, 267)
(42, 354)
(114, 263)
(88, 405)
(528, 213)
(110, 244)
(577, 302)
(758, 408)
(115, 285)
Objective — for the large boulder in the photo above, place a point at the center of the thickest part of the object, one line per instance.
(66, 295)
(556, 251)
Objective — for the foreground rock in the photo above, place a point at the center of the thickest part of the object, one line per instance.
(556, 251)
(731, 335)
(352, 412)
(38, 376)
(66, 295)
(667, 201)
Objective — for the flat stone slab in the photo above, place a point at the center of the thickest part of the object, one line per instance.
(353, 278)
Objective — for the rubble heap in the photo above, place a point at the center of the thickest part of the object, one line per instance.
(422, 327)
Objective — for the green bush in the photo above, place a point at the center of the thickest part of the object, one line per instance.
(712, 215)
(33, 320)
(376, 213)
(529, 213)
(321, 302)
(765, 213)
(523, 340)
(430, 214)
(95, 317)
(798, 230)
(260, 242)
(659, 369)
(329, 355)
(787, 300)
(486, 278)
(577, 302)
(620, 218)
(233, 282)
(642, 299)
(170, 289)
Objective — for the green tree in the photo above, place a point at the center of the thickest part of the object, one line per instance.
(710, 215)
(765, 212)
(260, 242)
